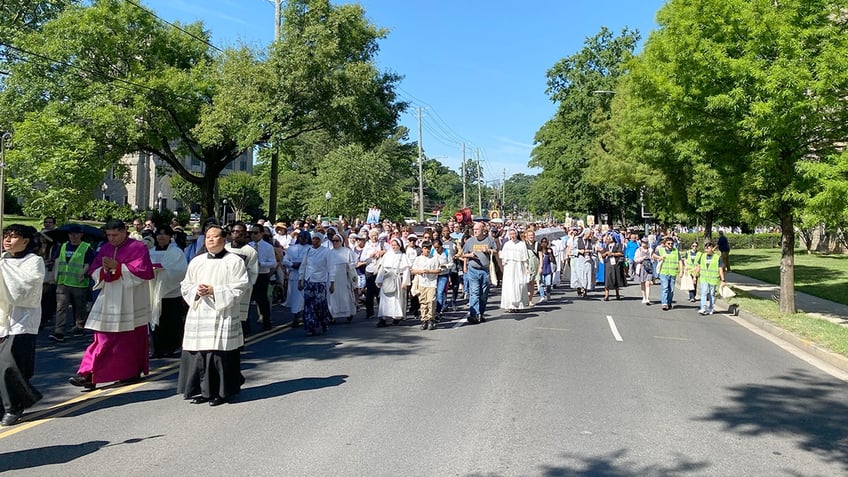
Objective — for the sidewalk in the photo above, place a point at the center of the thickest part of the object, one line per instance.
(814, 306)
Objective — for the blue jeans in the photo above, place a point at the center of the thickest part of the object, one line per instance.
(441, 292)
(545, 282)
(707, 289)
(478, 290)
(667, 289)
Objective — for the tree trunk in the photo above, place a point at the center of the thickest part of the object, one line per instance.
(275, 183)
(708, 225)
(207, 196)
(787, 260)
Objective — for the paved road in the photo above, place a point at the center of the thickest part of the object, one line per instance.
(548, 392)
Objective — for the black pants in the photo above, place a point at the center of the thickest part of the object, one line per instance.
(17, 365)
(371, 292)
(260, 296)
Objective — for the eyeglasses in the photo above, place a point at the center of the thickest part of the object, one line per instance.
(337, 240)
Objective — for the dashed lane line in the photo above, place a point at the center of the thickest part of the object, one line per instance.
(613, 328)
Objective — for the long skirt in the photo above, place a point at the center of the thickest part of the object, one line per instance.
(614, 276)
(168, 335)
(294, 297)
(114, 356)
(514, 293)
(316, 313)
(342, 302)
(210, 374)
(17, 365)
(582, 273)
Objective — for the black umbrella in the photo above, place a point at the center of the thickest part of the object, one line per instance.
(89, 234)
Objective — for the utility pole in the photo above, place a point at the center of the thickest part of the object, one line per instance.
(503, 193)
(420, 172)
(479, 185)
(464, 201)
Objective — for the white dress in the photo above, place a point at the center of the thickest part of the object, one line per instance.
(393, 266)
(341, 301)
(514, 295)
(294, 255)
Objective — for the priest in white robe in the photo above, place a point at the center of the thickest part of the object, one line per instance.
(514, 293)
(213, 288)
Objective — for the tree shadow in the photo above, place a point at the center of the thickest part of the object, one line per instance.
(807, 408)
(58, 454)
(281, 388)
(613, 464)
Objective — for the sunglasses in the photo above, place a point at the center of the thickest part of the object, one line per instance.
(337, 240)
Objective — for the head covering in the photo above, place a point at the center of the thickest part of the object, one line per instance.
(317, 235)
(412, 236)
(383, 236)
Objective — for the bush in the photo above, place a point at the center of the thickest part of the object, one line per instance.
(102, 210)
(738, 241)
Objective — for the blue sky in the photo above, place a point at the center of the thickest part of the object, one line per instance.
(476, 67)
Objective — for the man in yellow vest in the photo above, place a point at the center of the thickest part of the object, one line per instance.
(670, 266)
(710, 272)
(72, 281)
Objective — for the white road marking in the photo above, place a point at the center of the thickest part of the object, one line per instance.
(614, 329)
(460, 322)
(675, 338)
(552, 329)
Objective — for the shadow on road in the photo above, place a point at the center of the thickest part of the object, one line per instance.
(812, 410)
(59, 454)
(290, 386)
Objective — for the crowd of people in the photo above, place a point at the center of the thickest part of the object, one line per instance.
(157, 291)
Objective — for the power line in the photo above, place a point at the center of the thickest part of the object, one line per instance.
(192, 35)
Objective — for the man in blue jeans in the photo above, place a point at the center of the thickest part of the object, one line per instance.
(670, 266)
(478, 252)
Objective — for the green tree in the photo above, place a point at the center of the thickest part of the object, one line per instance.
(581, 85)
(242, 191)
(184, 191)
(320, 75)
(774, 75)
(112, 74)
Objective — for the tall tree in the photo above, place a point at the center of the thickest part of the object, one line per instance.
(320, 74)
(580, 84)
(242, 191)
(111, 73)
(774, 74)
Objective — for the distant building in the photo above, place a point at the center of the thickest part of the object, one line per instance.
(149, 183)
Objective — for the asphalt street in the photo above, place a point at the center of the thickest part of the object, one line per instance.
(575, 387)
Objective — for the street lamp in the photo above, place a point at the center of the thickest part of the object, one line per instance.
(159, 196)
(4, 140)
(327, 197)
(103, 188)
(224, 214)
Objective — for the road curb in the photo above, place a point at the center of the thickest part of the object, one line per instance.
(834, 359)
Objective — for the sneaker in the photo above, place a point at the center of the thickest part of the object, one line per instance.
(432, 326)
(57, 337)
(710, 312)
(425, 325)
(702, 312)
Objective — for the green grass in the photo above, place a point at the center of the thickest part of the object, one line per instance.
(824, 276)
(20, 219)
(822, 332)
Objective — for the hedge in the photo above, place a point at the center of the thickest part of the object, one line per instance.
(738, 241)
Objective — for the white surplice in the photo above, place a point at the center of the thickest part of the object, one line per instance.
(514, 294)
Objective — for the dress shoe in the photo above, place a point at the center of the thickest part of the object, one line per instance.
(473, 320)
(83, 381)
(217, 401)
(10, 418)
(381, 323)
(425, 325)
(481, 318)
(200, 400)
(432, 325)
(396, 322)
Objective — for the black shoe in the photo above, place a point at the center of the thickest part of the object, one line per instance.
(432, 325)
(481, 318)
(200, 400)
(473, 320)
(81, 381)
(381, 323)
(266, 326)
(217, 401)
(10, 418)
(132, 380)
(349, 319)
(425, 325)
(665, 308)
(396, 322)
(57, 337)
(78, 331)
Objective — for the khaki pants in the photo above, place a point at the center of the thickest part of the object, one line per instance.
(427, 300)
